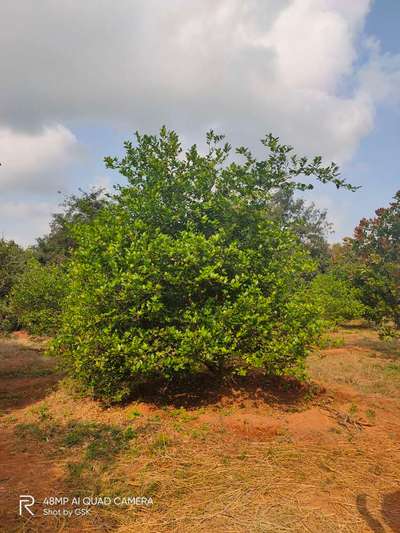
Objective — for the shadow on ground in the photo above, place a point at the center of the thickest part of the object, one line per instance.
(390, 512)
(207, 389)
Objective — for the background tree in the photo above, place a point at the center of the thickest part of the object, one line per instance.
(339, 301)
(58, 244)
(306, 221)
(31, 292)
(375, 250)
(36, 298)
(13, 260)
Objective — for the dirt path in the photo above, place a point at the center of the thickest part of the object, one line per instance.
(25, 379)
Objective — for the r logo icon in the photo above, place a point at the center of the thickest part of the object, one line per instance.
(25, 502)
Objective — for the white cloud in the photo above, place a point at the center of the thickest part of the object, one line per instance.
(379, 78)
(313, 46)
(24, 221)
(31, 161)
(244, 67)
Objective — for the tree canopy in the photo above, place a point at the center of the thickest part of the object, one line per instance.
(57, 245)
(186, 269)
(376, 250)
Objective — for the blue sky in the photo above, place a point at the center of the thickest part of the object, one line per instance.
(78, 79)
(376, 164)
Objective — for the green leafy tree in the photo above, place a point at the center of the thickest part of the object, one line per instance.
(375, 251)
(338, 299)
(56, 247)
(306, 221)
(13, 260)
(184, 269)
(36, 298)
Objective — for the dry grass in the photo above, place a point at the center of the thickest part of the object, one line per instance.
(363, 362)
(248, 457)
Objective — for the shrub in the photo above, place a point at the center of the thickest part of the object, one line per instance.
(36, 298)
(12, 262)
(338, 299)
(184, 270)
(371, 260)
(8, 321)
